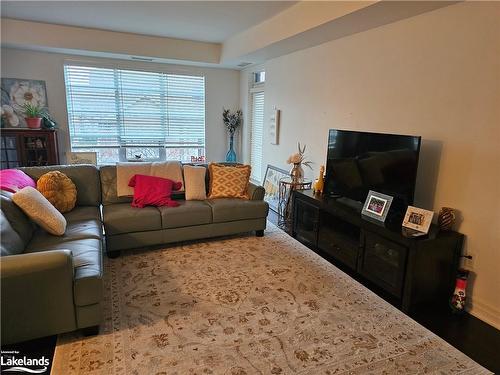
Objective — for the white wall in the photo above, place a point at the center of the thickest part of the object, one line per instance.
(436, 75)
(222, 90)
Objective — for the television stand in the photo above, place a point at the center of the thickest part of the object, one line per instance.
(408, 272)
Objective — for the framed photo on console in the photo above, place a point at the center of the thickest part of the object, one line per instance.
(377, 206)
(417, 220)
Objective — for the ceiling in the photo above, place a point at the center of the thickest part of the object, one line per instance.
(206, 21)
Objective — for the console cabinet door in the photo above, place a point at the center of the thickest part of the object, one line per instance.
(384, 263)
(339, 238)
(305, 222)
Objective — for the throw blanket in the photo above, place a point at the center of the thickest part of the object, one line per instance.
(125, 171)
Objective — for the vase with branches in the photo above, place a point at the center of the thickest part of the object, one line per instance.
(232, 121)
(298, 159)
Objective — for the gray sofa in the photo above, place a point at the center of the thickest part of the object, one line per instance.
(53, 284)
(128, 227)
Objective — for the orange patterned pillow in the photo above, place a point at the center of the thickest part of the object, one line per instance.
(229, 181)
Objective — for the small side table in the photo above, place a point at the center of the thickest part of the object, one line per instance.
(285, 204)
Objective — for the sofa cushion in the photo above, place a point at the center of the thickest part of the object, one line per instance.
(188, 213)
(58, 189)
(231, 209)
(12, 242)
(18, 220)
(77, 230)
(80, 213)
(122, 218)
(194, 180)
(229, 181)
(13, 179)
(85, 178)
(108, 186)
(40, 210)
(87, 264)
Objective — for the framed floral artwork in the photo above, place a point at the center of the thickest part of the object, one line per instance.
(271, 185)
(16, 92)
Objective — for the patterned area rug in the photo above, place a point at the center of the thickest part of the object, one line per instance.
(248, 305)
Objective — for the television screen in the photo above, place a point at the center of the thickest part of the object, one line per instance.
(359, 161)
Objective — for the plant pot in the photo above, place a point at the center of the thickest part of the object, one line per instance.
(33, 122)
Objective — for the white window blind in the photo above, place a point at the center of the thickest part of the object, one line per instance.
(256, 135)
(110, 108)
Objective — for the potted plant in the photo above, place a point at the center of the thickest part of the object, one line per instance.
(34, 115)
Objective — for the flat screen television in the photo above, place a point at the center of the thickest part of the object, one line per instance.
(360, 161)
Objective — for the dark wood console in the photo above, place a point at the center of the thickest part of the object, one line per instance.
(409, 271)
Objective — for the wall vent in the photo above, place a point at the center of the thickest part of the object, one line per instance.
(243, 64)
(141, 58)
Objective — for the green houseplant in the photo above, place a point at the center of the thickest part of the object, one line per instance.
(33, 115)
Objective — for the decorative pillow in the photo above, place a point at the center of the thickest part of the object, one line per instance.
(168, 169)
(40, 210)
(124, 172)
(153, 191)
(229, 181)
(13, 180)
(194, 180)
(58, 189)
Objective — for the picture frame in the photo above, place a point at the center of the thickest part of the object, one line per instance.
(417, 220)
(15, 93)
(274, 125)
(377, 206)
(82, 158)
(271, 185)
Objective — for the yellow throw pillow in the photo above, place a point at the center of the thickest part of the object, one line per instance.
(194, 178)
(40, 210)
(229, 181)
(58, 189)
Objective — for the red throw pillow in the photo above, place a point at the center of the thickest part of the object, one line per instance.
(153, 191)
(13, 180)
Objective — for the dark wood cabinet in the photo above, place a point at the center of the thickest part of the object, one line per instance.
(409, 271)
(28, 147)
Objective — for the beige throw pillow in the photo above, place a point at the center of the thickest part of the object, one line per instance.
(194, 178)
(124, 172)
(168, 169)
(40, 210)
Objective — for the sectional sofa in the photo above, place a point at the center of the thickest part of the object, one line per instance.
(54, 284)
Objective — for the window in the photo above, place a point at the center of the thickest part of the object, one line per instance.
(256, 135)
(128, 114)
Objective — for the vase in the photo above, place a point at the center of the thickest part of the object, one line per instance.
(446, 218)
(33, 122)
(231, 154)
(297, 173)
(459, 297)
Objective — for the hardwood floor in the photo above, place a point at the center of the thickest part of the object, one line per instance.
(478, 340)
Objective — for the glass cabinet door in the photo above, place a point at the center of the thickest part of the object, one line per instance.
(36, 150)
(384, 263)
(305, 222)
(10, 156)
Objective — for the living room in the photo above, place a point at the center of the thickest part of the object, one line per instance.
(215, 285)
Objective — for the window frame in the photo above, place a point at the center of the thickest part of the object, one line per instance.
(122, 148)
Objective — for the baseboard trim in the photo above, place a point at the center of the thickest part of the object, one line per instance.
(485, 312)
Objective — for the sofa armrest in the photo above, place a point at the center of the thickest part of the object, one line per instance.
(37, 295)
(16, 266)
(256, 192)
